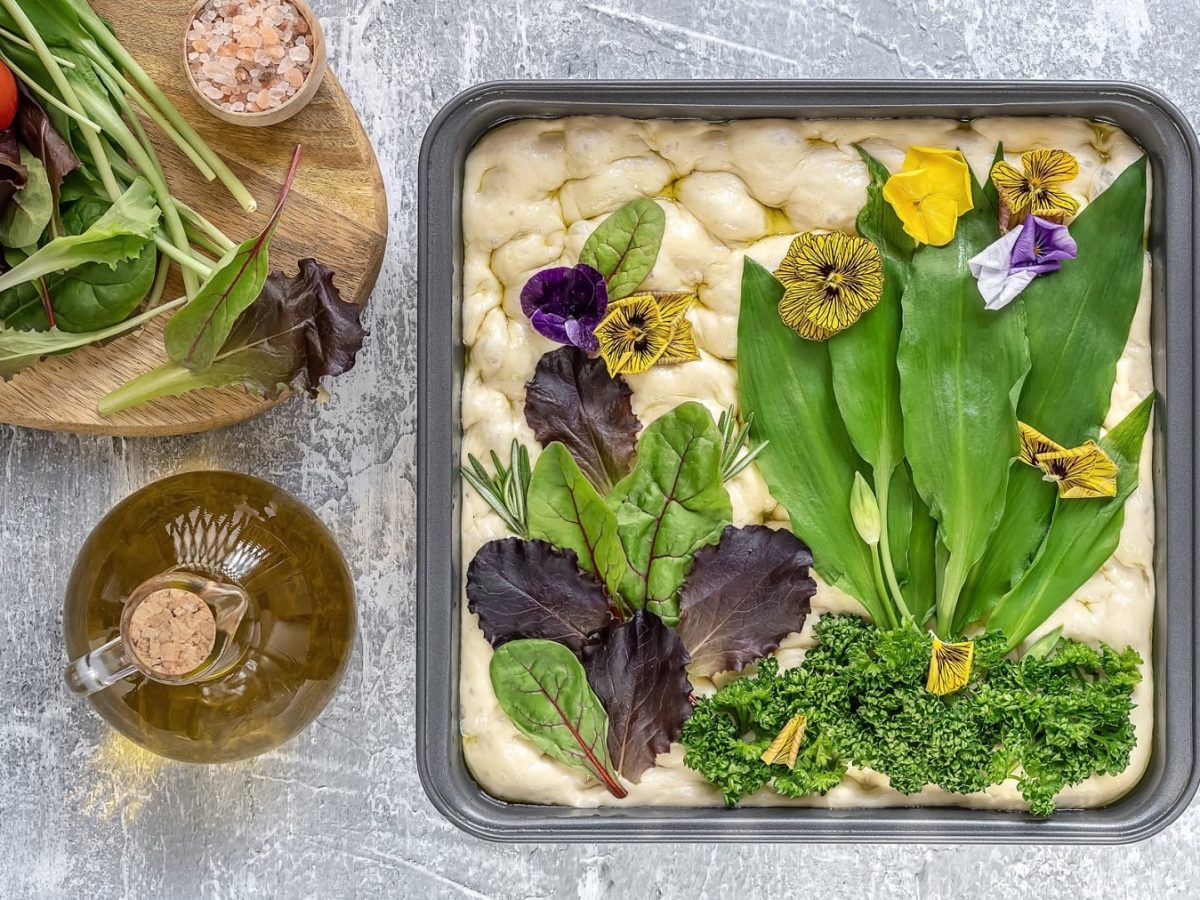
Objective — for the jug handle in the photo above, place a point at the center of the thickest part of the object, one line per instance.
(100, 668)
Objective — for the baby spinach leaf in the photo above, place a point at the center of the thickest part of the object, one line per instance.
(543, 689)
(565, 510)
(1082, 536)
(299, 331)
(528, 589)
(809, 464)
(961, 368)
(625, 246)
(1077, 322)
(573, 400)
(743, 596)
(29, 211)
(196, 335)
(120, 234)
(638, 670)
(671, 504)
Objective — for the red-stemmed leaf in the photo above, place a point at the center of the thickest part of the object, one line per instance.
(573, 399)
(528, 589)
(638, 669)
(743, 596)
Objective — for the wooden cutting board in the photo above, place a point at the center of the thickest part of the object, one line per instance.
(337, 213)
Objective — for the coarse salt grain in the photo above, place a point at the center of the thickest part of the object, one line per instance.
(249, 56)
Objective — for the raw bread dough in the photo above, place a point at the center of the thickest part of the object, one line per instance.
(535, 189)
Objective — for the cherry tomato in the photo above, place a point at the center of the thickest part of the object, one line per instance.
(8, 97)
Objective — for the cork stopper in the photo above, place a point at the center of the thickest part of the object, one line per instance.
(171, 633)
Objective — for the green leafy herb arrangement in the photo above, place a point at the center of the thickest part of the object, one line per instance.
(90, 230)
(904, 392)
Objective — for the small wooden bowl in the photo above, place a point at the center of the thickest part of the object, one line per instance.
(295, 103)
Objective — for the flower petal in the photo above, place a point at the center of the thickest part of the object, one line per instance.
(682, 347)
(633, 335)
(1053, 203)
(1081, 472)
(948, 169)
(1046, 167)
(786, 746)
(1033, 444)
(939, 213)
(1013, 188)
(949, 666)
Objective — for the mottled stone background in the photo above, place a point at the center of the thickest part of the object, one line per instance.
(339, 811)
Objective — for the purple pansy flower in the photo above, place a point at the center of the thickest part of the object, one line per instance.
(1006, 268)
(566, 304)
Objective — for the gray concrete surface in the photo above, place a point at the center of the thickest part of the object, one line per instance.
(339, 811)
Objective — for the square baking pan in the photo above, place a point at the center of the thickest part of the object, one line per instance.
(1167, 138)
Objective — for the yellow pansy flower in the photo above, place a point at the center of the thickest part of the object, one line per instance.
(930, 192)
(949, 666)
(1080, 472)
(829, 281)
(1036, 189)
(644, 330)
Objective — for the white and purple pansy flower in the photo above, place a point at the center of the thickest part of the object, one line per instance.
(1033, 248)
(565, 304)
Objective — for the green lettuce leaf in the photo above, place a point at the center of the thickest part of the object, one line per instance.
(1082, 536)
(961, 368)
(625, 246)
(1077, 321)
(672, 503)
(29, 211)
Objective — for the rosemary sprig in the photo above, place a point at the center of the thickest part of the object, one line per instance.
(507, 490)
(733, 441)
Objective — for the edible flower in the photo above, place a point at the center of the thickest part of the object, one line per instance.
(929, 193)
(1080, 473)
(1036, 189)
(829, 281)
(644, 329)
(566, 304)
(949, 666)
(786, 746)
(1005, 268)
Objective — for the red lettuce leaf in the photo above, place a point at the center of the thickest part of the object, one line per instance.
(573, 399)
(12, 173)
(528, 589)
(743, 596)
(40, 138)
(638, 669)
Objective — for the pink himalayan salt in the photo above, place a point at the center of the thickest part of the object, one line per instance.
(249, 55)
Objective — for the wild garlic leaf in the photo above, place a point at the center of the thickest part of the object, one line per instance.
(785, 382)
(120, 234)
(961, 367)
(529, 589)
(30, 209)
(572, 399)
(638, 670)
(673, 503)
(566, 511)
(625, 246)
(1082, 536)
(1077, 322)
(544, 690)
(743, 596)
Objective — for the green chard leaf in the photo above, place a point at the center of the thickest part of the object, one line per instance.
(672, 503)
(195, 336)
(809, 463)
(1082, 535)
(118, 235)
(543, 689)
(29, 211)
(961, 369)
(566, 511)
(1077, 321)
(625, 246)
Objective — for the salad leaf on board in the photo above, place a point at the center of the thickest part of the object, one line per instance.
(28, 212)
(809, 463)
(573, 400)
(671, 504)
(543, 689)
(638, 670)
(566, 511)
(528, 589)
(299, 331)
(12, 171)
(961, 368)
(120, 234)
(743, 596)
(625, 246)
(1083, 534)
(1077, 325)
(40, 137)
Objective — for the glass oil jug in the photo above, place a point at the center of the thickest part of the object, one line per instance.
(209, 617)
